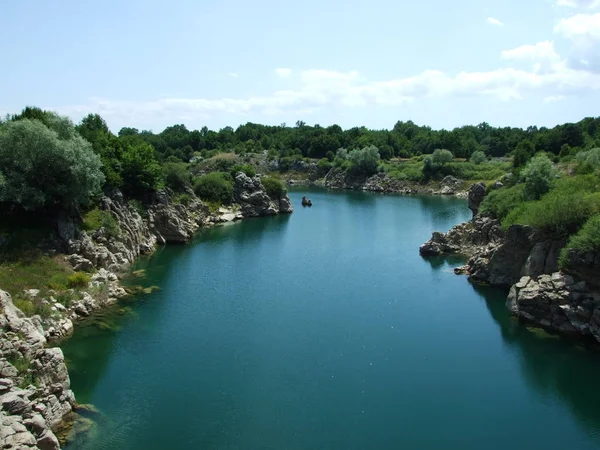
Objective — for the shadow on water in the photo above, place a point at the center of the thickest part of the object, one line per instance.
(90, 349)
(450, 261)
(553, 366)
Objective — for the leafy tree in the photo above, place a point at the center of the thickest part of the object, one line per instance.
(215, 187)
(177, 176)
(523, 153)
(478, 157)
(441, 157)
(44, 169)
(364, 161)
(141, 171)
(538, 176)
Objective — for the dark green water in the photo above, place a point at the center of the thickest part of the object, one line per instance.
(327, 330)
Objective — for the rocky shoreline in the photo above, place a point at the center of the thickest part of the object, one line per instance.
(525, 260)
(383, 183)
(36, 401)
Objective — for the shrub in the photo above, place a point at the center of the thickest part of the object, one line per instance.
(246, 168)
(558, 211)
(501, 202)
(364, 161)
(45, 169)
(538, 175)
(586, 240)
(215, 187)
(588, 161)
(324, 165)
(442, 156)
(177, 176)
(478, 157)
(98, 218)
(141, 171)
(274, 187)
(78, 280)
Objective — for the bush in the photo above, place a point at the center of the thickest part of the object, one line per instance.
(324, 166)
(478, 157)
(558, 211)
(177, 176)
(441, 157)
(98, 218)
(246, 168)
(215, 187)
(141, 171)
(501, 202)
(538, 175)
(364, 161)
(586, 240)
(47, 169)
(274, 187)
(78, 280)
(589, 161)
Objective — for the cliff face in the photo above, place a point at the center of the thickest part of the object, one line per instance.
(526, 260)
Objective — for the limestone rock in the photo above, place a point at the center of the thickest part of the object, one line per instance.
(475, 197)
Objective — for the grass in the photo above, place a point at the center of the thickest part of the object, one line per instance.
(98, 218)
(34, 271)
(78, 280)
(412, 170)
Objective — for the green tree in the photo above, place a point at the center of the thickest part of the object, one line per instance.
(44, 169)
(140, 169)
(441, 157)
(364, 161)
(538, 176)
(523, 153)
(478, 157)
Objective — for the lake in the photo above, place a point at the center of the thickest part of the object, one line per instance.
(326, 329)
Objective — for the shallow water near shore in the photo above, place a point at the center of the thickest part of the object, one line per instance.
(326, 330)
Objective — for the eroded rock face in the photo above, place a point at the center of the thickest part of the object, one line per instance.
(523, 251)
(253, 199)
(557, 302)
(27, 416)
(475, 197)
(466, 238)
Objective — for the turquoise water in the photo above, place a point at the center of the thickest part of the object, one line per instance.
(327, 330)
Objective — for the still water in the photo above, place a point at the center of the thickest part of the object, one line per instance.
(326, 330)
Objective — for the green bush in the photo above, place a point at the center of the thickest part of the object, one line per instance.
(478, 157)
(589, 161)
(246, 168)
(98, 218)
(501, 202)
(215, 187)
(177, 176)
(47, 169)
(364, 161)
(538, 175)
(588, 238)
(442, 156)
(141, 171)
(324, 165)
(78, 280)
(274, 187)
(558, 211)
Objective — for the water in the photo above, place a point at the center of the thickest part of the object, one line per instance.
(327, 330)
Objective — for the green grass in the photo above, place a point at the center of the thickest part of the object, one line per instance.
(97, 218)
(78, 280)
(587, 239)
(34, 271)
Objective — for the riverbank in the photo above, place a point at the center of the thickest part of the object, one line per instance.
(35, 396)
(563, 300)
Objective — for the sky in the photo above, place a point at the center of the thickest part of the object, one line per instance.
(150, 64)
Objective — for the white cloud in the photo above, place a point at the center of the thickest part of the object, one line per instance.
(582, 31)
(234, 75)
(283, 72)
(493, 21)
(555, 98)
(542, 56)
(589, 4)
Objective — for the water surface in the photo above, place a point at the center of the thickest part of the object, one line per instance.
(326, 330)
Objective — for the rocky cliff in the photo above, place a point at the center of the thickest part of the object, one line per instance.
(526, 260)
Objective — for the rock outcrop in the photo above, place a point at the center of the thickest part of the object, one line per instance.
(467, 238)
(35, 394)
(557, 302)
(254, 200)
(475, 197)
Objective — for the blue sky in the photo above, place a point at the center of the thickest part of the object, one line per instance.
(150, 64)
